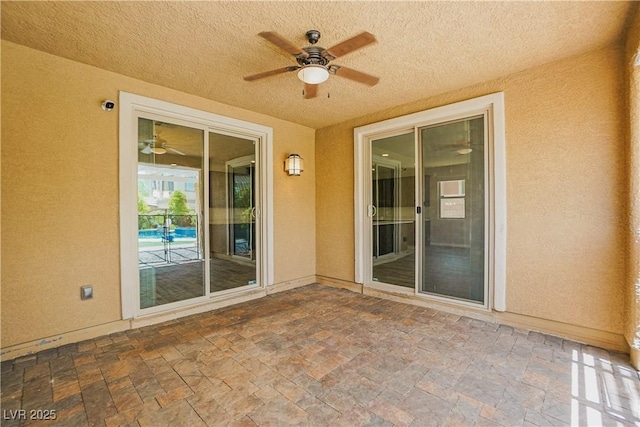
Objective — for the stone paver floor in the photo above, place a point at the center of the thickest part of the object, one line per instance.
(323, 357)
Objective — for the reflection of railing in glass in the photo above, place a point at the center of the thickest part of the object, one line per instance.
(155, 220)
(161, 234)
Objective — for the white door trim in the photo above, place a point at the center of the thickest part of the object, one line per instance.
(493, 105)
(130, 106)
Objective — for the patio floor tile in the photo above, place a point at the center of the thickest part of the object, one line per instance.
(320, 356)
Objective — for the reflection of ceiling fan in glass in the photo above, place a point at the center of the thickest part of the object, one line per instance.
(156, 145)
(464, 145)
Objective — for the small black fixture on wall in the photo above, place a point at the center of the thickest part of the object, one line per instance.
(108, 105)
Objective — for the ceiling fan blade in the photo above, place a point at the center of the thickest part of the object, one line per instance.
(310, 91)
(174, 150)
(358, 76)
(282, 43)
(349, 45)
(271, 73)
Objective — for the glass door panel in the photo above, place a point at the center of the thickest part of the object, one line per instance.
(170, 200)
(393, 210)
(453, 161)
(233, 211)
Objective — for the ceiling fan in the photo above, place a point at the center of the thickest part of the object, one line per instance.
(156, 145)
(313, 61)
(461, 148)
(460, 133)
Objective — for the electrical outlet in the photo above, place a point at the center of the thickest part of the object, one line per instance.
(86, 292)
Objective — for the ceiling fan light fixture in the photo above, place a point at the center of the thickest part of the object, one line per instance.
(313, 74)
(158, 150)
(464, 151)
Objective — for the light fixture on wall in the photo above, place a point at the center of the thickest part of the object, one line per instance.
(313, 74)
(464, 151)
(293, 165)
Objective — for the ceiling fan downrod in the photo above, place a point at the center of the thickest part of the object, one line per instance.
(313, 36)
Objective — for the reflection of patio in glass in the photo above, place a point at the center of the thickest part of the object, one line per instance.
(174, 282)
(173, 270)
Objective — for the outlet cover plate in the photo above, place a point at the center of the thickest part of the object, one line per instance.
(86, 292)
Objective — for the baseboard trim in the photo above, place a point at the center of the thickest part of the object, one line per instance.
(582, 334)
(339, 283)
(214, 304)
(634, 357)
(291, 284)
(413, 299)
(35, 346)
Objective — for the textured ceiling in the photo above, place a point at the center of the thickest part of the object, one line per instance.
(205, 48)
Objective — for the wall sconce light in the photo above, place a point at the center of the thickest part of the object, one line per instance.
(293, 165)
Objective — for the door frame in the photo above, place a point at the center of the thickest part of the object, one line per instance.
(131, 106)
(493, 106)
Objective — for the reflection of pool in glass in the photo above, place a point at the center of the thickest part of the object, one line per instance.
(149, 233)
(178, 232)
(154, 238)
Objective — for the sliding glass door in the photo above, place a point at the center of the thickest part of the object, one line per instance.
(430, 204)
(433, 240)
(392, 209)
(233, 229)
(171, 256)
(453, 232)
(196, 207)
(185, 251)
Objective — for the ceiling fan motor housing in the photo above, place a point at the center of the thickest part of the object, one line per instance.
(313, 57)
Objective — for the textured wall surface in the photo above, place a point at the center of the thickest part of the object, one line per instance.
(565, 188)
(60, 192)
(632, 64)
(205, 47)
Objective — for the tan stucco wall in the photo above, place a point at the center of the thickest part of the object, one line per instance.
(60, 192)
(632, 55)
(565, 188)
